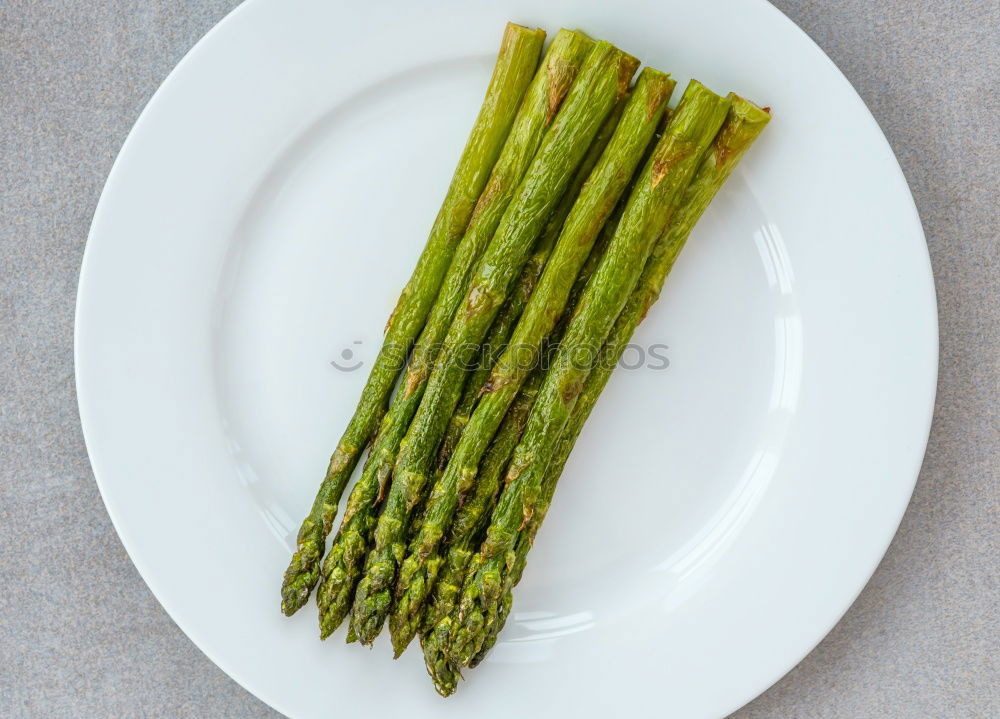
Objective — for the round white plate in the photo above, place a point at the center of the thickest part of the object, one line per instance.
(720, 513)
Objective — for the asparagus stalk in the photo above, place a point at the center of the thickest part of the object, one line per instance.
(667, 174)
(442, 670)
(742, 126)
(496, 623)
(498, 337)
(596, 201)
(607, 232)
(514, 67)
(604, 239)
(343, 563)
(499, 334)
(500, 331)
(436, 622)
(471, 519)
(603, 79)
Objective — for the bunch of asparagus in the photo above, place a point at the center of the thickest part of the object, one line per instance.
(574, 195)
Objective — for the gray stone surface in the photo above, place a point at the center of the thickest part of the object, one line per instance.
(81, 635)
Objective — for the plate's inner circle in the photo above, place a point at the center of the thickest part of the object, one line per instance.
(293, 341)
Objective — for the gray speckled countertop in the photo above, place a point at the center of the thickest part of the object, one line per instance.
(82, 636)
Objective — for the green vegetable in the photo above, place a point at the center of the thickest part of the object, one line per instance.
(470, 517)
(502, 327)
(515, 65)
(343, 563)
(603, 79)
(742, 126)
(442, 670)
(436, 621)
(648, 210)
(465, 531)
(596, 201)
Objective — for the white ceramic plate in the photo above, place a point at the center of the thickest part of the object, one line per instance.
(718, 516)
